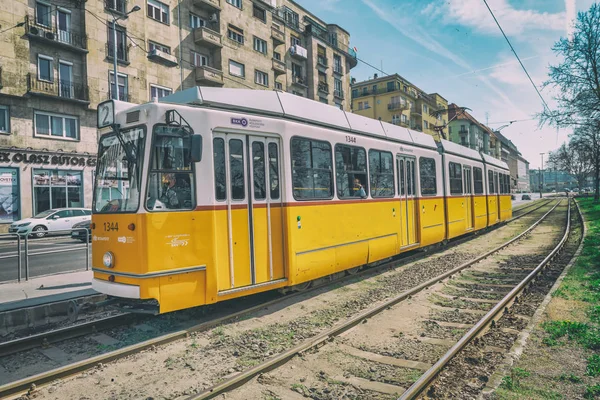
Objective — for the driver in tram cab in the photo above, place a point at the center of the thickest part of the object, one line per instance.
(359, 190)
(169, 196)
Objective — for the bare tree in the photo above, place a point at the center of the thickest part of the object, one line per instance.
(572, 158)
(577, 79)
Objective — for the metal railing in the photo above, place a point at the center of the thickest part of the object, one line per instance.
(61, 88)
(23, 253)
(323, 87)
(55, 34)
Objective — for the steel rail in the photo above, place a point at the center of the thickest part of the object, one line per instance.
(59, 335)
(328, 335)
(71, 369)
(427, 378)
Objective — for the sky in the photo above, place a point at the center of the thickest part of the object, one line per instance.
(454, 48)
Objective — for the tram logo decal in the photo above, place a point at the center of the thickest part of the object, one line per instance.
(125, 239)
(178, 240)
(239, 121)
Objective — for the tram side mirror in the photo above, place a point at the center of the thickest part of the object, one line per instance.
(196, 148)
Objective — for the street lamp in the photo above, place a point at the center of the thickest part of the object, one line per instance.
(114, 25)
(541, 176)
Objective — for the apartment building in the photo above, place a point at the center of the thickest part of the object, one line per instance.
(395, 100)
(57, 64)
(466, 130)
(510, 155)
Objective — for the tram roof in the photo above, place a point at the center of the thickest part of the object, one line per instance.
(494, 161)
(459, 150)
(286, 105)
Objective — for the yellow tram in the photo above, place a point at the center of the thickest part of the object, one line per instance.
(211, 194)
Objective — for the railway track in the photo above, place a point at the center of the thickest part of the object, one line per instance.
(94, 327)
(349, 340)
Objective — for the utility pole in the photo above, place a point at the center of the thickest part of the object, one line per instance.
(541, 176)
(114, 26)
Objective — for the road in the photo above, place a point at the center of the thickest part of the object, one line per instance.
(46, 256)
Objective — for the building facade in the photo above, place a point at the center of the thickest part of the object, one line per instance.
(523, 180)
(465, 130)
(510, 155)
(395, 100)
(57, 64)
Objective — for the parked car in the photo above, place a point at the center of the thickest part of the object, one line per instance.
(78, 232)
(525, 197)
(53, 220)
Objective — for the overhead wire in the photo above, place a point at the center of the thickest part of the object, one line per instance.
(516, 55)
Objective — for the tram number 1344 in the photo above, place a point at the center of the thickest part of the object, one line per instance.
(111, 226)
(350, 139)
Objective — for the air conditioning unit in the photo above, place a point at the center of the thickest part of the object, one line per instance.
(213, 17)
(50, 35)
(34, 31)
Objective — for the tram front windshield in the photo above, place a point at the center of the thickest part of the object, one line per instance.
(118, 176)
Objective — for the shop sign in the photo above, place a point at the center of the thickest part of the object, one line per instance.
(47, 159)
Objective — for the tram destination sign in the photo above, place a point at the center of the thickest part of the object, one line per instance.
(47, 159)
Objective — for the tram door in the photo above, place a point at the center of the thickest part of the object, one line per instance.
(408, 203)
(497, 186)
(467, 178)
(254, 219)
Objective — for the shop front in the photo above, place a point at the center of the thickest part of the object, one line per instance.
(32, 181)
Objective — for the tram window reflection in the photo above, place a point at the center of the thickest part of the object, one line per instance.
(351, 171)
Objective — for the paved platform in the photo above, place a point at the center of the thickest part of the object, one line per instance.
(44, 290)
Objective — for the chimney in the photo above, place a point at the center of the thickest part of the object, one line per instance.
(375, 76)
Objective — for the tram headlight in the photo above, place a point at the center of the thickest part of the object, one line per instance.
(108, 259)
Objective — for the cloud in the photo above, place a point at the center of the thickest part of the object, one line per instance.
(474, 14)
(570, 15)
(407, 27)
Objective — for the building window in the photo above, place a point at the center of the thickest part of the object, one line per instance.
(337, 87)
(156, 92)
(350, 166)
(391, 86)
(278, 86)
(428, 176)
(354, 92)
(158, 11)
(235, 3)
(260, 45)
(455, 174)
(426, 124)
(261, 78)
(259, 13)
(296, 70)
(277, 55)
(55, 125)
(159, 47)
(9, 195)
(425, 108)
(237, 69)
(196, 21)
(115, 5)
(339, 105)
(45, 69)
(366, 105)
(381, 173)
(4, 119)
(295, 41)
(121, 43)
(43, 14)
(235, 34)
(199, 60)
(404, 118)
(56, 189)
(122, 81)
(323, 100)
(337, 64)
(360, 105)
(312, 169)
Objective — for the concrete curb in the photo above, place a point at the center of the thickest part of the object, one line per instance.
(519, 346)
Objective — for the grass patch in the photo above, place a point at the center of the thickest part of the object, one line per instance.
(593, 366)
(592, 392)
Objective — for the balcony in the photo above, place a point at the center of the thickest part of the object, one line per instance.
(163, 58)
(463, 131)
(279, 67)
(298, 52)
(416, 127)
(323, 87)
(116, 6)
(65, 90)
(208, 76)
(339, 94)
(338, 69)
(397, 106)
(322, 61)
(277, 35)
(57, 37)
(207, 37)
(122, 53)
(210, 5)
(299, 81)
(416, 112)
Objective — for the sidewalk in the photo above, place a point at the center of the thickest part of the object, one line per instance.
(47, 289)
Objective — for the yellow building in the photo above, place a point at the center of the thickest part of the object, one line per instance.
(395, 100)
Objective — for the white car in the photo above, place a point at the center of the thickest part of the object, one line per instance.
(56, 219)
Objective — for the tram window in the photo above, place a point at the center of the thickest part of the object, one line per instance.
(219, 164)
(478, 180)
(350, 166)
(236, 169)
(381, 173)
(502, 189)
(410, 177)
(312, 176)
(428, 176)
(274, 170)
(402, 184)
(456, 181)
(170, 178)
(491, 182)
(496, 184)
(258, 170)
